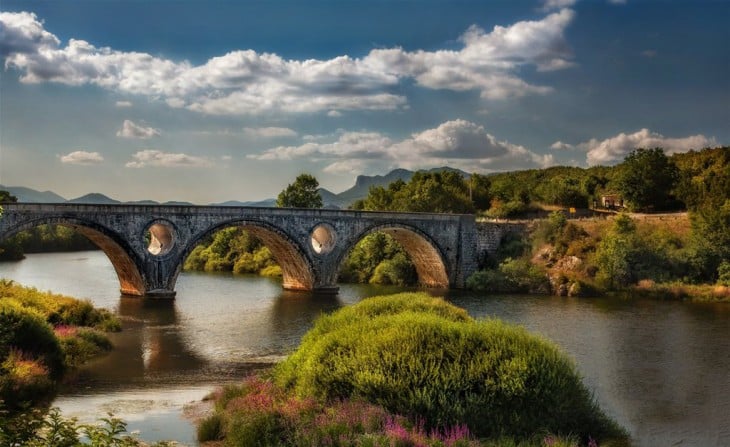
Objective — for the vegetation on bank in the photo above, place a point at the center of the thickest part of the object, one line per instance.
(410, 369)
(38, 429)
(43, 335)
(44, 239)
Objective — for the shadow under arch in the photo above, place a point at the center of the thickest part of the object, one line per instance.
(421, 248)
(114, 247)
(296, 269)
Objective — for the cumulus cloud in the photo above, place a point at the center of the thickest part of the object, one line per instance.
(155, 158)
(269, 132)
(616, 148)
(457, 143)
(82, 158)
(245, 82)
(131, 130)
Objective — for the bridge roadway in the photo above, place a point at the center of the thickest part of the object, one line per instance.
(148, 244)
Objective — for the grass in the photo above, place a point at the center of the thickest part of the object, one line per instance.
(42, 335)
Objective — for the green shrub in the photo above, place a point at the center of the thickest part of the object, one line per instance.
(512, 276)
(723, 274)
(212, 428)
(26, 330)
(445, 368)
(84, 345)
(255, 429)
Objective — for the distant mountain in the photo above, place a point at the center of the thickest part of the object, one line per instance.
(360, 190)
(177, 203)
(259, 203)
(28, 195)
(363, 183)
(95, 198)
(142, 202)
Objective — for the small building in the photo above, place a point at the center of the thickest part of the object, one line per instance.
(612, 201)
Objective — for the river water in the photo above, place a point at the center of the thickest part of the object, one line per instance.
(661, 369)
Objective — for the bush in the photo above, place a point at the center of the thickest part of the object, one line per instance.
(723, 274)
(512, 276)
(421, 357)
(211, 428)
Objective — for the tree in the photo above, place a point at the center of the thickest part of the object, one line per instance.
(5, 196)
(303, 193)
(646, 179)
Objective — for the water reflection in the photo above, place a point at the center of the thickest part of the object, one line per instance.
(662, 369)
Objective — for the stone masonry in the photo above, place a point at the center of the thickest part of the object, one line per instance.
(148, 244)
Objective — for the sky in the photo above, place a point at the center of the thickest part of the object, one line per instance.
(209, 101)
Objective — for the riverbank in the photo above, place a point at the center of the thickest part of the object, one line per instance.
(643, 359)
(43, 336)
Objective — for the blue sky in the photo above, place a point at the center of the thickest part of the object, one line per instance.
(222, 100)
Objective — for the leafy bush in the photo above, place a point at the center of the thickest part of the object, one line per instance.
(512, 276)
(723, 274)
(443, 368)
(33, 355)
(211, 428)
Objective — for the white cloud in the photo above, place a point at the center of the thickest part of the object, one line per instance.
(457, 143)
(616, 148)
(82, 158)
(131, 130)
(269, 132)
(617, 2)
(155, 158)
(549, 5)
(334, 114)
(123, 104)
(560, 146)
(246, 82)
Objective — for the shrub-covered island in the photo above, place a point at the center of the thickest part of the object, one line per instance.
(409, 370)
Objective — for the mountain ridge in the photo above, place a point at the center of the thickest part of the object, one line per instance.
(359, 190)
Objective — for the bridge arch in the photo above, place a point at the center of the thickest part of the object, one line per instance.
(296, 268)
(424, 252)
(126, 265)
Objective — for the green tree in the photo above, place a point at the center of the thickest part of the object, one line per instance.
(614, 254)
(303, 193)
(646, 179)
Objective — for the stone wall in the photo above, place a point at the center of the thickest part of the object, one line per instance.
(489, 236)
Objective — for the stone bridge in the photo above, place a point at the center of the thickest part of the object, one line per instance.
(148, 244)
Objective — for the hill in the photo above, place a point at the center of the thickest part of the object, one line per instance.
(95, 198)
(28, 195)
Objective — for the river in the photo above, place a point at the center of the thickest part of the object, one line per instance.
(661, 369)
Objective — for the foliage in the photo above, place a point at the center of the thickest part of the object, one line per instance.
(512, 276)
(43, 239)
(260, 413)
(710, 244)
(723, 274)
(704, 177)
(443, 369)
(233, 249)
(34, 429)
(41, 336)
(303, 193)
(646, 179)
(433, 192)
(378, 259)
